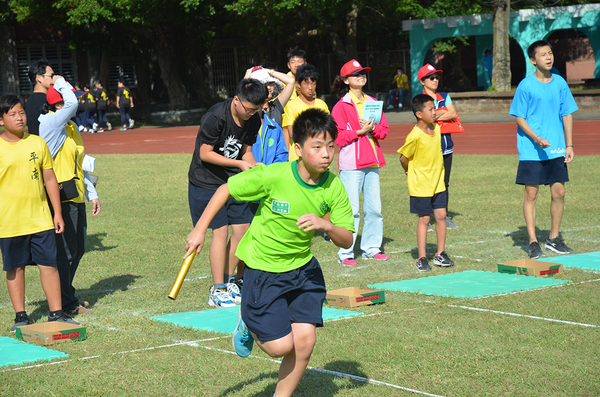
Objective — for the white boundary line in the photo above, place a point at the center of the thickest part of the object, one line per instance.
(525, 315)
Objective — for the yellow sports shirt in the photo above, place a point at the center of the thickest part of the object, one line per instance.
(426, 162)
(292, 111)
(23, 204)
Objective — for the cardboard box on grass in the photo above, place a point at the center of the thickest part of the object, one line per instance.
(354, 296)
(528, 267)
(51, 332)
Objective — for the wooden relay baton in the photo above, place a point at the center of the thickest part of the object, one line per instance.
(185, 266)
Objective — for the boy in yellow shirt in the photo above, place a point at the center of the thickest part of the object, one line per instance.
(423, 163)
(27, 227)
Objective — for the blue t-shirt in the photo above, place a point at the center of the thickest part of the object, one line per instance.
(542, 105)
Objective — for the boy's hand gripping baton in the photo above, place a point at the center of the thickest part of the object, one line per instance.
(185, 266)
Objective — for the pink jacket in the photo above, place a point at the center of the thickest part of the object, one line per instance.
(356, 152)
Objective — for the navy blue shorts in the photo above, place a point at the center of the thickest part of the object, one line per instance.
(232, 213)
(542, 172)
(426, 205)
(38, 248)
(272, 301)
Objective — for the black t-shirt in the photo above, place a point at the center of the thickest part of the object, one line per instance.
(101, 98)
(90, 102)
(275, 112)
(218, 129)
(124, 94)
(32, 111)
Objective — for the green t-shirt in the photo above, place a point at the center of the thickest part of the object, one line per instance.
(274, 243)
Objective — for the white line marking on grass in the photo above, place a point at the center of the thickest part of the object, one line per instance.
(336, 373)
(526, 316)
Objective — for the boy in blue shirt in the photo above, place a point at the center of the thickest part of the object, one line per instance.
(543, 105)
(284, 288)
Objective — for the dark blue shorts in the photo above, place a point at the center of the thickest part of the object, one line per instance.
(232, 213)
(426, 205)
(38, 248)
(271, 301)
(542, 172)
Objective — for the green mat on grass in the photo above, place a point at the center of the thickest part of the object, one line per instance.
(225, 320)
(469, 284)
(16, 352)
(589, 260)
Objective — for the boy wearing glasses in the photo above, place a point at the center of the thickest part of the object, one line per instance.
(223, 149)
(306, 85)
(40, 75)
(429, 78)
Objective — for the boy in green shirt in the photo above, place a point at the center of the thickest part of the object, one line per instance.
(284, 288)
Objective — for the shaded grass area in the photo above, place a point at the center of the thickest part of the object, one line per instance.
(414, 341)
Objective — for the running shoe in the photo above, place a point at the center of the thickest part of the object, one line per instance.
(61, 317)
(423, 265)
(378, 256)
(234, 291)
(557, 245)
(131, 123)
(348, 262)
(21, 319)
(535, 251)
(242, 339)
(220, 298)
(450, 224)
(442, 259)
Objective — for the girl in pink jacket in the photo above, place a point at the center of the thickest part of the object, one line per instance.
(359, 159)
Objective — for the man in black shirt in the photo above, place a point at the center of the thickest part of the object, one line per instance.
(224, 148)
(40, 74)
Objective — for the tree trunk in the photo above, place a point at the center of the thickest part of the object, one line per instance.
(352, 29)
(167, 60)
(8, 59)
(501, 75)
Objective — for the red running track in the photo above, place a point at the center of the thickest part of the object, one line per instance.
(484, 138)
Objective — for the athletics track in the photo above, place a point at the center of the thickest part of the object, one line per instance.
(478, 138)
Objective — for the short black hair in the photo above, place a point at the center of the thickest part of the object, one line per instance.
(532, 48)
(36, 69)
(9, 101)
(296, 52)
(269, 65)
(419, 101)
(305, 72)
(253, 91)
(313, 122)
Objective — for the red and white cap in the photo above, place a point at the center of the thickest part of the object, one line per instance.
(352, 67)
(427, 70)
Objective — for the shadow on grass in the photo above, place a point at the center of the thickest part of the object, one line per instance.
(93, 294)
(430, 250)
(521, 237)
(316, 382)
(94, 243)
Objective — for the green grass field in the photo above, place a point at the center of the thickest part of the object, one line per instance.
(416, 342)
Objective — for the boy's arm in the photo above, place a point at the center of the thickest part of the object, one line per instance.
(248, 156)
(404, 162)
(208, 155)
(54, 195)
(535, 137)
(288, 90)
(340, 236)
(195, 239)
(568, 126)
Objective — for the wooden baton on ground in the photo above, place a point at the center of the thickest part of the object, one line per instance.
(185, 266)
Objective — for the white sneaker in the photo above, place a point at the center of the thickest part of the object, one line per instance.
(234, 292)
(399, 106)
(220, 298)
(81, 128)
(95, 126)
(390, 107)
(131, 122)
(109, 126)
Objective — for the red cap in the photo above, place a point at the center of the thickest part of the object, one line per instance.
(351, 67)
(427, 70)
(53, 96)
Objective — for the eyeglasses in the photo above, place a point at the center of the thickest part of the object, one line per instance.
(434, 77)
(48, 75)
(358, 74)
(249, 111)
